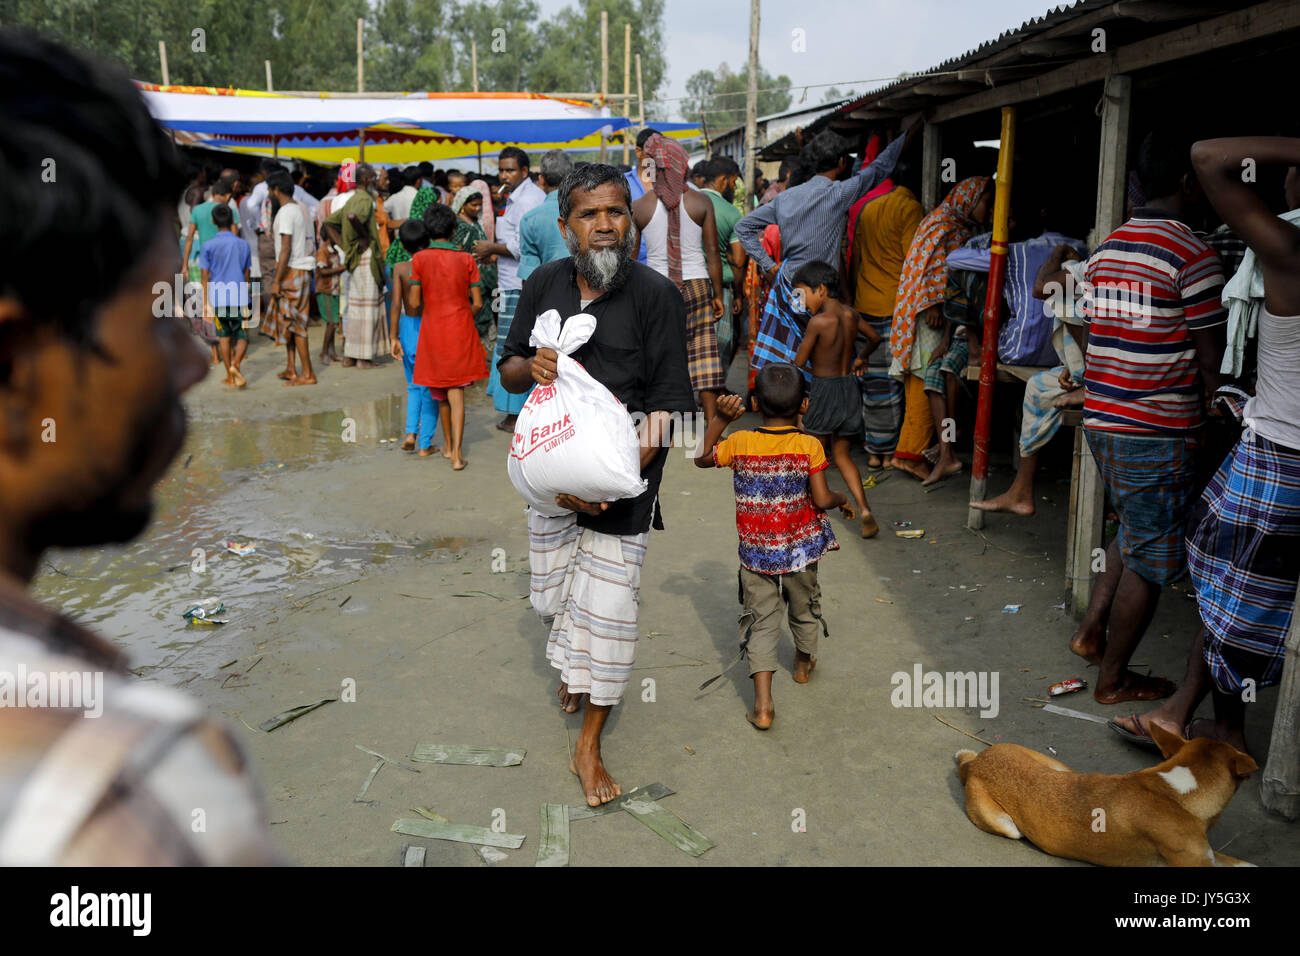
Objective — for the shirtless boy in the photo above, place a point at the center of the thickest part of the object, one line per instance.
(834, 401)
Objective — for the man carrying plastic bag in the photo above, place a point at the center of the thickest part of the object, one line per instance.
(586, 563)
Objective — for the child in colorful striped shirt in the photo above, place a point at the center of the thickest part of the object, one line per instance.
(781, 502)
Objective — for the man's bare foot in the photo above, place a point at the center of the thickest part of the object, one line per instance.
(761, 718)
(348, 362)
(323, 358)
(913, 468)
(887, 462)
(458, 463)
(408, 443)
(1070, 399)
(286, 374)
(869, 527)
(597, 784)
(1134, 687)
(1089, 644)
(874, 461)
(301, 380)
(1007, 502)
(1213, 730)
(569, 703)
(803, 666)
(228, 380)
(932, 453)
(941, 471)
(1140, 724)
(365, 363)
(446, 453)
(238, 377)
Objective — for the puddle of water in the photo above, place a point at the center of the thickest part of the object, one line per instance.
(135, 595)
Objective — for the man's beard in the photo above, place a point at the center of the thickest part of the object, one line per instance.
(605, 270)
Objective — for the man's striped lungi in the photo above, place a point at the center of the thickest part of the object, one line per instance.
(586, 585)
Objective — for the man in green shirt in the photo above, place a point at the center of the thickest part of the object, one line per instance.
(720, 175)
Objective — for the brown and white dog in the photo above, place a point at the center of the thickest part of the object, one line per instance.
(1153, 817)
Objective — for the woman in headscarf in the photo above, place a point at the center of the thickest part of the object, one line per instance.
(681, 240)
(918, 339)
(468, 206)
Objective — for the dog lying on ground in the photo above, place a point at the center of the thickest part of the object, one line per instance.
(1153, 817)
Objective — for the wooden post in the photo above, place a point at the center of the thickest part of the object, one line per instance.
(361, 152)
(275, 145)
(640, 96)
(604, 78)
(269, 87)
(473, 65)
(751, 108)
(931, 161)
(992, 308)
(361, 33)
(627, 85)
(1087, 494)
(162, 55)
(1279, 790)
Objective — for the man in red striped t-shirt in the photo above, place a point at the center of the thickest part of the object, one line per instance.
(1153, 345)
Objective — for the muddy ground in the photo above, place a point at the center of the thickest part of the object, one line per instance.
(376, 567)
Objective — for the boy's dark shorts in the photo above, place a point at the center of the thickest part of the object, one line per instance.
(230, 324)
(834, 406)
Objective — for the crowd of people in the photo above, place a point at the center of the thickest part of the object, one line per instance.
(841, 275)
(1159, 325)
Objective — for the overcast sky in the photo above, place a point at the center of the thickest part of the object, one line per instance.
(847, 41)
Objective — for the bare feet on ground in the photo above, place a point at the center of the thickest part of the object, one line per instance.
(914, 468)
(1134, 687)
(365, 363)
(286, 374)
(428, 452)
(1213, 730)
(1088, 644)
(408, 443)
(941, 471)
(875, 461)
(300, 380)
(1008, 503)
(569, 703)
(804, 665)
(347, 362)
(869, 527)
(597, 784)
(761, 717)
(238, 378)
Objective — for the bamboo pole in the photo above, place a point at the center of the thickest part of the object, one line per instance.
(269, 87)
(751, 108)
(361, 32)
(640, 95)
(162, 55)
(361, 136)
(604, 78)
(627, 85)
(992, 310)
(473, 63)
(275, 145)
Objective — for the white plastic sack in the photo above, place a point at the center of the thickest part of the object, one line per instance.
(572, 437)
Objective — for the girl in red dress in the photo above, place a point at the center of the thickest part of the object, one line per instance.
(450, 354)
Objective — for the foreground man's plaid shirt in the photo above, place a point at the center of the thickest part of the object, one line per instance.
(152, 781)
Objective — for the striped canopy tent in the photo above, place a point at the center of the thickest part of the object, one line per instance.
(408, 128)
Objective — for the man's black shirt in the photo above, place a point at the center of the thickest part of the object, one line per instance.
(638, 352)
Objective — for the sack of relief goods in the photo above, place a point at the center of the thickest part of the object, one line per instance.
(572, 437)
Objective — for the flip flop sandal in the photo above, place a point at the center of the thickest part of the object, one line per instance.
(1140, 740)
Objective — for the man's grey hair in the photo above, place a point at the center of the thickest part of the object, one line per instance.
(589, 176)
(365, 171)
(555, 166)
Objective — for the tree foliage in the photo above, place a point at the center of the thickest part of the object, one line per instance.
(409, 44)
(719, 97)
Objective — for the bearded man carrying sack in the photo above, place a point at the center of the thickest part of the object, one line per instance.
(586, 565)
